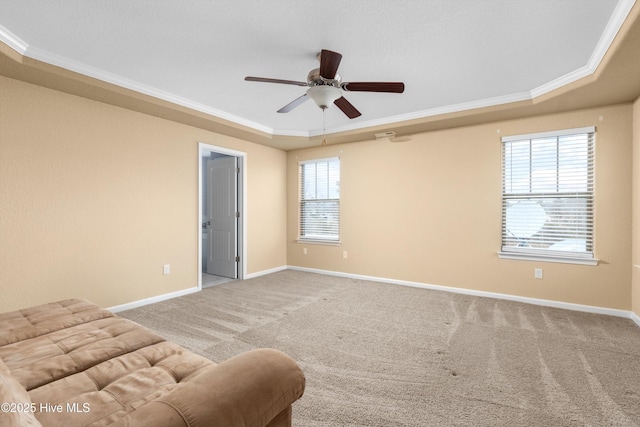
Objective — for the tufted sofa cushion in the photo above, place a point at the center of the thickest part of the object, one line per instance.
(84, 365)
(42, 319)
(17, 409)
(111, 389)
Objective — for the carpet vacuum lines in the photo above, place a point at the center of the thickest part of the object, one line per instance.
(379, 354)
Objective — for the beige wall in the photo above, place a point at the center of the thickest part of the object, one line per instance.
(428, 211)
(635, 297)
(94, 199)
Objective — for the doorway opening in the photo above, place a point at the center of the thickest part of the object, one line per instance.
(221, 219)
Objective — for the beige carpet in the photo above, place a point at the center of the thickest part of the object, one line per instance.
(378, 354)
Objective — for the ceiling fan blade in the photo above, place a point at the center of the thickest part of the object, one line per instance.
(329, 62)
(266, 80)
(393, 87)
(347, 107)
(293, 104)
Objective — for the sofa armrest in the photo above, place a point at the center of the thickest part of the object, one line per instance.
(248, 390)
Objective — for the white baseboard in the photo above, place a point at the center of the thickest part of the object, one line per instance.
(151, 300)
(635, 318)
(164, 297)
(534, 301)
(265, 272)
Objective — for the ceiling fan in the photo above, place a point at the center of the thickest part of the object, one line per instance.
(326, 86)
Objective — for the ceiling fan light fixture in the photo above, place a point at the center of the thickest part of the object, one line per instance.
(324, 96)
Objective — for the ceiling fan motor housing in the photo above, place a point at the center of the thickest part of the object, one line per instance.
(315, 79)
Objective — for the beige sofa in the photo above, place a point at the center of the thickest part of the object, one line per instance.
(71, 363)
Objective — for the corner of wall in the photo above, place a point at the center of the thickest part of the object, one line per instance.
(635, 233)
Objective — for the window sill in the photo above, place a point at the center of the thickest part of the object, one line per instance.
(320, 242)
(549, 258)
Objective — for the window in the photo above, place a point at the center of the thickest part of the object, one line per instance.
(547, 196)
(320, 200)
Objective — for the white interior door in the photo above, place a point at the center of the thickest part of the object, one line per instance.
(222, 176)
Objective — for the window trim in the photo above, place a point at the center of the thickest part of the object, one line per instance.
(316, 240)
(564, 259)
(546, 256)
(552, 133)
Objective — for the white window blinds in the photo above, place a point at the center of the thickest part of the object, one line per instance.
(547, 194)
(320, 200)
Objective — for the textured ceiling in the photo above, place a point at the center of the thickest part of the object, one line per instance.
(451, 55)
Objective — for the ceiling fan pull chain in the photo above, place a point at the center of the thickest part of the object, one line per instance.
(324, 126)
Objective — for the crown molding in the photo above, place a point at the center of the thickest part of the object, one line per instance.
(620, 13)
(622, 10)
(78, 67)
(432, 112)
(37, 54)
(619, 16)
(13, 41)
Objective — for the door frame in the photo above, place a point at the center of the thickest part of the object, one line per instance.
(204, 150)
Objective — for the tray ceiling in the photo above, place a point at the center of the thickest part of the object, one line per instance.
(452, 56)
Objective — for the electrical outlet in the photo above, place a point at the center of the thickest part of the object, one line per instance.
(344, 254)
(537, 273)
(166, 269)
(304, 251)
